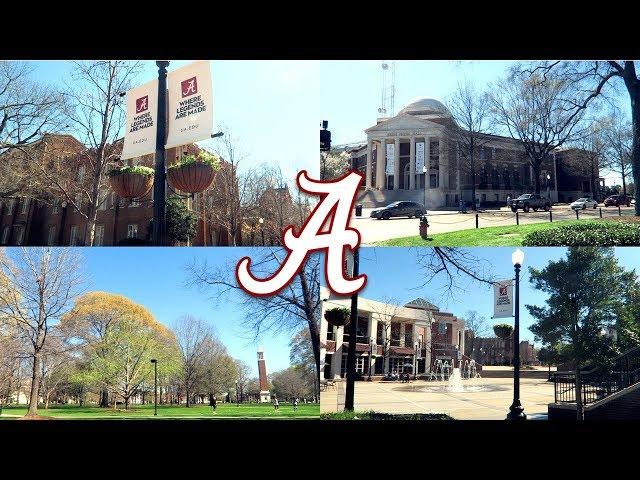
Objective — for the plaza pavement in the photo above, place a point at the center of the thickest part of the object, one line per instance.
(440, 221)
(396, 397)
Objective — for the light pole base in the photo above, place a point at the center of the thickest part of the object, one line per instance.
(516, 412)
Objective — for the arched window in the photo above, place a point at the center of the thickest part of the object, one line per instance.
(495, 178)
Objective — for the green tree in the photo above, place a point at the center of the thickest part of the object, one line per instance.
(301, 357)
(181, 222)
(578, 307)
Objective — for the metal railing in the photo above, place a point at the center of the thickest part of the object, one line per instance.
(600, 382)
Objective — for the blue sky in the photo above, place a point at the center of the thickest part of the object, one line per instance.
(350, 91)
(154, 278)
(272, 107)
(392, 273)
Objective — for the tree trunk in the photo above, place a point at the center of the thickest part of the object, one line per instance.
(535, 165)
(635, 149)
(473, 180)
(188, 398)
(579, 405)
(126, 403)
(104, 398)
(35, 383)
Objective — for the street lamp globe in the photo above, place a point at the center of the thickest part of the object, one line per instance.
(517, 258)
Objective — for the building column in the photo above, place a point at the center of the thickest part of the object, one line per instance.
(386, 329)
(427, 164)
(402, 327)
(369, 160)
(396, 164)
(412, 164)
(381, 175)
(373, 333)
(336, 359)
(442, 163)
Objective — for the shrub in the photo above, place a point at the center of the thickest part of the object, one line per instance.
(181, 222)
(601, 234)
(338, 315)
(136, 169)
(503, 330)
(202, 157)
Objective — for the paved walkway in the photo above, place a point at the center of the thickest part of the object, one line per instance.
(440, 221)
(491, 402)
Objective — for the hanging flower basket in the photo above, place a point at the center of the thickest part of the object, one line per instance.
(193, 173)
(131, 182)
(503, 330)
(337, 316)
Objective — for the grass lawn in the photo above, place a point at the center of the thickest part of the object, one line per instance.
(511, 235)
(167, 412)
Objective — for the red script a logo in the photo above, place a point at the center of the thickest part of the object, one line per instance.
(142, 104)
(503, 290)
(189, 86)
(337, 199)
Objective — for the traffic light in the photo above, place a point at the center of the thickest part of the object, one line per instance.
(325, 137)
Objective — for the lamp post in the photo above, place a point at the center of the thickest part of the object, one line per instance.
(425, 171)
(237, 397)
(548, 186)
(415, 360)
(155, 386)
(261, 222)
(159, 179)
(516, 411)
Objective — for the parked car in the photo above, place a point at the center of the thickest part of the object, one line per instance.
(617, 201)
(584, 203)
(530, 201)
(399, 209)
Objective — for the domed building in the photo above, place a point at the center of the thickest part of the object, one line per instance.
(418, 156)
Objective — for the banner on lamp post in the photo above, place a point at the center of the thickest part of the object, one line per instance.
(190, 108)
(391, 154)
(419, 157)
(503, 299)
(141, 126)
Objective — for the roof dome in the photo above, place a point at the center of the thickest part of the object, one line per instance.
(426, 106)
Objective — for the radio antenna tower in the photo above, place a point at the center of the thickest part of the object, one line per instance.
(388, 94)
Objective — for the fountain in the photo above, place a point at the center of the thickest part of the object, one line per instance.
(455, 381)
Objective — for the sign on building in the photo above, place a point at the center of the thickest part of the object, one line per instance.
(141, 127)
(391, 148)
(190, 109)
(419, 157)
(503, 299)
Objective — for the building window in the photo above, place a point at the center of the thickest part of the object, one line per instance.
(5, 235)
(51, 238)
(81, 171)
(434, 181)
(73, 238)
(10, 206)
(19, 234)
(54, 206)
(25, 206)
(434, 154)
(132, 231)
(134, 203)
(98, 238)
(79, 202)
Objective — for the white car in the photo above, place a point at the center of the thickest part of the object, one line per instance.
(584, 203)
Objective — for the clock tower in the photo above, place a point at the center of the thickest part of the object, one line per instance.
(265, 396)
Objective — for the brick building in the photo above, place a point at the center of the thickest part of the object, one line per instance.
(50, 220)
(496, 351)
(414, 156)
(390, 337)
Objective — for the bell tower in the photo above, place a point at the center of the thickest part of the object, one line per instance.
(265, 396)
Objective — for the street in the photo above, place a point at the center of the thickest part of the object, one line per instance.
(441, 221)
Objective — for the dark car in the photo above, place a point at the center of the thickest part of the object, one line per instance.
(398, 209)
(617, 201)
(530, 201)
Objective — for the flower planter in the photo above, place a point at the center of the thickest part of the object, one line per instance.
(131, 184)
(191, 177)
(337, 316)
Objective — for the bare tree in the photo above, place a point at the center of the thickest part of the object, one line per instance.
(386, 310)
(471, 111)
(194, 337)
(28, 110)
(95, 112)
(542, 110)
(289, 310)
(618, 144)
(478, 326)
(43, 284)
